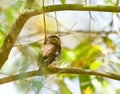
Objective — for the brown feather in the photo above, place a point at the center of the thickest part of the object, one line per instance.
(49, 51)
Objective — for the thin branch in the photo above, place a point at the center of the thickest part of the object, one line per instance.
(26, 14)
(81, 7)
(18, 76)
(57, 25)
(82, 32)
(44, 20)
(60, 71)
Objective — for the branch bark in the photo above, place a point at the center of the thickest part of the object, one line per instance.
(23, 17)
(59, 71)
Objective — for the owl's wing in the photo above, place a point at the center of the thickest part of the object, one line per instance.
(48, 54)
(47, 50)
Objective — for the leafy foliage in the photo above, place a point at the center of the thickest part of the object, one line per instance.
(83, 55)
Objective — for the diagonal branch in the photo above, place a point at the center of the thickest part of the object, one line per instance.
(18, 76)
(60, 71)
(25, 15)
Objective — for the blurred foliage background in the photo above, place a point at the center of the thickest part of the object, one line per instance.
(89, 41)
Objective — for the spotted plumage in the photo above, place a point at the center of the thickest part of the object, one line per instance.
(50, 51)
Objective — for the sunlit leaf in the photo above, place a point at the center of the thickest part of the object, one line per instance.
(94, 51)
(105, 83)
(95, 65)
(71, 55)
(3, 29)
(1, 39)
(63, 1)
(88, 90)
(87, 55)
(83, 55)
(108, 41)
(67, 57)
(85, 84)
(35, 48)
(63, 87)
(110, 2)
(118, 91)
(9, 15)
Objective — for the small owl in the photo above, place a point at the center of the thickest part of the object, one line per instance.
(50, 52)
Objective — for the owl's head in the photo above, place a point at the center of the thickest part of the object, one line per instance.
(54, 40)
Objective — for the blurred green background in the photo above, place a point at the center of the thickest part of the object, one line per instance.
(89, 41)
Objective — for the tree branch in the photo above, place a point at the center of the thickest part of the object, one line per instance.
(82, 7)
(18, 76)
(81, 32)
(23, 17)
(59, 71)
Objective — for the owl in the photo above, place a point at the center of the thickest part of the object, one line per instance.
(50, 52)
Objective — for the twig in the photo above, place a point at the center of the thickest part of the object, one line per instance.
(56, 20)
(18, 76)
(44, 19)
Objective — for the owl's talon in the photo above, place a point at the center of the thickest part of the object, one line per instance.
(52, 67)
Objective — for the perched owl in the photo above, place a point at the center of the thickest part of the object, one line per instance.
(50, 52)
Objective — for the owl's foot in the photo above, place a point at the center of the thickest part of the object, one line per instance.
(52, 67)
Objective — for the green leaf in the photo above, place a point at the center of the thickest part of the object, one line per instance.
(85, 84)
(95, 65)
(1, 39)
(9, 15)
(63, 87)
(110, 2)
(118, 91)
(107, 41)
(3, 29)
(63, 1)
(71, 55)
